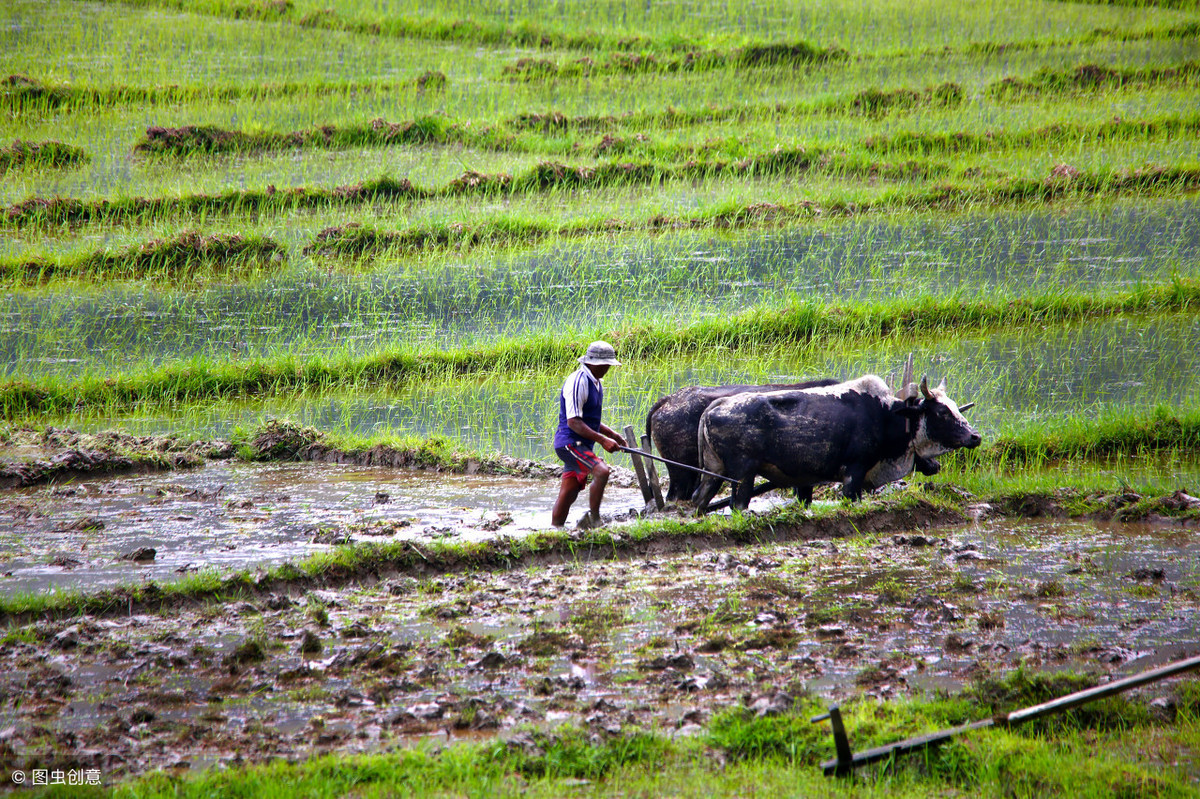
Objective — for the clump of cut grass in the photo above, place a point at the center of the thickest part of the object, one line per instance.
(23, 94)
(959, 142)
(44, 155)
(54, 211)
(624, 63)
(1094, 77)
(185, 256)
(208, 139)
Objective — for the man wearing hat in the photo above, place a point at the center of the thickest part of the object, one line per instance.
(579, 427)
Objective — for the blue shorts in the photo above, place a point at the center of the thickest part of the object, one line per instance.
(579, 461)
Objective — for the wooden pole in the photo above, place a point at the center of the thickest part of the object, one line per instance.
(652, 474)
(638, 467)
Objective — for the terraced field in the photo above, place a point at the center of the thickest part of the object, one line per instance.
(290, 288)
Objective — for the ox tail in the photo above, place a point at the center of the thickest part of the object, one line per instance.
(650, 416)
(708, 459)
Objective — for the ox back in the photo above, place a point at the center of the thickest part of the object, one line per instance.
(673, 422)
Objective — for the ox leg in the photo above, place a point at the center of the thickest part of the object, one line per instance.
(744, 472)
(852, 487)
(704, 493)
(683, 484)
(743, 492)
(804, 494)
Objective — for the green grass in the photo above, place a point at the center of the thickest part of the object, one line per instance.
(870, 27)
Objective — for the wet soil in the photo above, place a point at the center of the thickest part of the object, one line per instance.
(650, 641)
(236, 515)
(656, 634)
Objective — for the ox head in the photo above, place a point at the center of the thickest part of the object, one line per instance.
(941, 426)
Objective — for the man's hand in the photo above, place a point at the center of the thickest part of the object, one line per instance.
(611, 445)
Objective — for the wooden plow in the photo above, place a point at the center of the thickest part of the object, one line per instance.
(847, 760)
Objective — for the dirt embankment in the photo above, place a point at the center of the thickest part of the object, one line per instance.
(29, 457)
(279, 440)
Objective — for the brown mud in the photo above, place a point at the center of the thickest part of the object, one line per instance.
(645, 641)
(462, 626)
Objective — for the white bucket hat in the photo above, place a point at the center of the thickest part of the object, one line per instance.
(600, 353)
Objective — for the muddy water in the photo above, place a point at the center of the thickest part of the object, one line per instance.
(657, 642)
(311, 310)
(239, 515)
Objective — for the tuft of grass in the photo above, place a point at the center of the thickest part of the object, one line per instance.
(182, 257)
(40, 155)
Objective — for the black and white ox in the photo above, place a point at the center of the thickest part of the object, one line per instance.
(673, 421)
(857, 433)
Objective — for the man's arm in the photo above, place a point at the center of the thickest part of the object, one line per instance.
(606, 437)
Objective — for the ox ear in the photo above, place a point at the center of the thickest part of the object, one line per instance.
(965, 408)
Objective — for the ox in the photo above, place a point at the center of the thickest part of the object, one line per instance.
(673, 421)
(857, 433)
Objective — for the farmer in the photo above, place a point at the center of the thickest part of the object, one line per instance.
(579, 427)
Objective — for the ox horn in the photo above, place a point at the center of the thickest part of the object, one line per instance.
(965, 408)
(925, 387)
(907, 388)
(942, 385)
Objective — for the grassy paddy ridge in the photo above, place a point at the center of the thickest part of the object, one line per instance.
(811, 322)
(1065, 183)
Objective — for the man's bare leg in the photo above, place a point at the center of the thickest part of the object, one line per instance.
(599, 482)
(568, 490)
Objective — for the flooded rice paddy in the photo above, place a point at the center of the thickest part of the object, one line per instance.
(310, 310)
(1017, 378)
(88, 534)
(654, 642)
